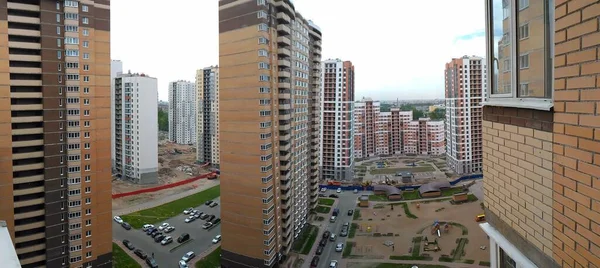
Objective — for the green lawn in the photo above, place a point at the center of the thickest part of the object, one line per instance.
(352, 231)
(377, 171)
(411, 195)
(326, 202)
(306, 240)
(212, 260)
(121, 259)
(323, 209)
(348, 249)
(356, 214)
(169, 210)
(407, 211)
(374, 197)
(452, 191)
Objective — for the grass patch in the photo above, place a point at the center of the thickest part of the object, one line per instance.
(404, 265)
(212, 260)
(352, 231)
(319, 218)
(374, 197)
(356, 215)
(452, 191)
(485, 263)
(306, 240)
(464, 229)
(171, 209)
(407, 212)
(348, 249)
(378, 171)
(411, 195)
(472, 198)
(323, 209)
(416, 250)
(122, 259)
(326, 202)
(460, 248)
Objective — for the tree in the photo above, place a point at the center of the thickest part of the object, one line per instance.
(385, 107)
(416, 112)
(438, 114)
(163, 120)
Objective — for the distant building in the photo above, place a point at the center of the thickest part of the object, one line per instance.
(163, 106)
(116, 68)
(432, 108)
(207, 144)
(136, 128)
(424, 137)
(182, 112)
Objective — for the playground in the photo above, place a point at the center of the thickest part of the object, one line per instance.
(428, 230)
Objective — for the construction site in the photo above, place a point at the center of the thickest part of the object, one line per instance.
(176, 163)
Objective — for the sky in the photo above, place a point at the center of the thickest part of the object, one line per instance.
(398, 47)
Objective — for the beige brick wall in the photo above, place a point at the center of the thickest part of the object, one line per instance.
(577, 134)
(517, 167)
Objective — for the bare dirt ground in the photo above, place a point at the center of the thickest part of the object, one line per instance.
(424, 168)
(176, 163)
(394, 221)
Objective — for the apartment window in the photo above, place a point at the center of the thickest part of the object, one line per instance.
(85, 20)
(86, 56)
(84, 8)
(86, 90)
(88, 244)
(57, 5)
(88, 201)
(261, 2)
(88, 211)
(265, 113)
(263, 27)
(72, 65)
(69, 3)
(86, 101)
(86, 112)
(86, 43)
(86, 32)
(261, 14)
(265, 124)
(58, 42)
(59, 54)
(264, 78)
(88, 233)
(88, 168)
(267, 178)
(72, 40)
(505, 73)
(87, 156)
(71, 28)
(263, 53)
(88, 222)
(86, 78)
(265, 158)
(86, 67)
(264, 90)
(264, 136)
(263, 40)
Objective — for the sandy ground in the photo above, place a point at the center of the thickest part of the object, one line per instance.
(404, 229)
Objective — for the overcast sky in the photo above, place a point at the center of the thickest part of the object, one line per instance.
(398, 47)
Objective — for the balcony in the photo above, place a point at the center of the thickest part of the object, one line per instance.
(285, 146)
(34, 83)
(285, 116)
(281, 40)
(35, 8)
(282, 17)
(285, 74)
(25, 70)
(37, 201)
(28, 179)
(317, 51)
(317, 44)
(34, 33)
(285, 106)
(13, 44)
(27, 191)
(27, 155)
(26, 131)
(26, 95)
(285, 94)
(284, 52)
(20, 19)
(283, 29)
(281, 63)
(285, 157)
(285, 85)
(285, 7)
(28, 167)
(285, 164)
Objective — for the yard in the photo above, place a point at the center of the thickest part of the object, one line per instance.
(323, 209)
(212, 260)
(306, 240)
(379, 171)
(171, 209)
(122, 259)
(326, 202)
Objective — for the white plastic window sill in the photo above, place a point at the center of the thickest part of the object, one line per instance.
(526, 103)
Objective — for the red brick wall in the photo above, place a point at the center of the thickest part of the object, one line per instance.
(576, 217)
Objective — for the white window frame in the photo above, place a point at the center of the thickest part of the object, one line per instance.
(497, 241)
(513, 99)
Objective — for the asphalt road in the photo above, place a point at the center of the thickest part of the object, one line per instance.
(202, 239)
(346, 201)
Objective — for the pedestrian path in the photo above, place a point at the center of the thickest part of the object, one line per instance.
(347, 262)
(129, 252)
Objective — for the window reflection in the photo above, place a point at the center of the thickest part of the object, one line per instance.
(531, 48)
(500, 27)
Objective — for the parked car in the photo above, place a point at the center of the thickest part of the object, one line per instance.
(204, 216)
(118, 219)
(216, 221)
(208, 202)
(151, 262)
(332, 219)
(163, 226)
(147, 226)
(195, 211)
(333, 264)
(211, 217)
(217, 239)
(128, 244)
(334, 196)
(188, 211)
(322, 195)
(167, 240)
(183, 264)
(190, 219)
(332, 237)
(188, 256)
(346, 224)
(315, 262)
(159, 238)
(155, 234)
(339, 247)
(206, 225)
(126, 226)
(170, 229)
(323, 242)
(339, 190)
(140, 253)
(355, 191)
(183, 237)
(350, 212)
(326, 234)
(344, 232)
(319, 250)
(199, 214)
(323, 190)
(213, 204)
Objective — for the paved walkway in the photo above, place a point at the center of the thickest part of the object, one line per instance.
(346, 262)
(320, 225)
(129, 252)
(164, 200)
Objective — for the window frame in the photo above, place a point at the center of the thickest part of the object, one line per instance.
(513, 99)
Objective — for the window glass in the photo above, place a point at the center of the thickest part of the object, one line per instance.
(500, 24)
(506, 261)
(531, 49)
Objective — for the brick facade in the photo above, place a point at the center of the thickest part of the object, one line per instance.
(576, 198)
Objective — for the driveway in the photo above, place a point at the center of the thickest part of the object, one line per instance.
(202, 239)
(346, 201)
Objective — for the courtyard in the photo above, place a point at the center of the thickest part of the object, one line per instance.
(403, 170)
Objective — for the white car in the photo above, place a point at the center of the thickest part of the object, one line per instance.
(163, 226)
(339, 247)
(166, 240)
(188, 256)
(188, 211)
(118, 219)
(147, 226)
(217, 239)
(356, 191)
(339, 190)
(323, 190)
(183, 264)
(333, 264)
(190, 219)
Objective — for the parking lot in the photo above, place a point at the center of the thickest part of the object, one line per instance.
(200, 239)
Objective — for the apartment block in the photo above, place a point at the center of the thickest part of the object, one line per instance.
(207, 145)
(269, 85)
(55, 131)
(337, 130)
(116, 68)
(182, 112)
(540, 134)
(136, 128)
(424, 137)
(465, 83)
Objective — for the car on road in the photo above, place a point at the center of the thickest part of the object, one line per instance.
(321, 195)
(323, 242)
(118, 219)
(350, 212)
(334, 196)
(190, 219)
(147, 226)
(183, 237)
(170, 229)
(183, 264)
(206, 225)
(128, 244)
(188, 256)
(333, 264)
(126, 226)
(323, 190)
(188, 211)
(339, 247)
(163, 226)
(167, 240)
(315, 262)
(339, 190)
(159, 238)
(319, 250)
(151, 262)
(355, 191)
(332, 219)
(213, 204)
(344, 232)
(332, 237)
(140, 253)
(346, 224)
(208, 202)
(217, 239)
(326, 234)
